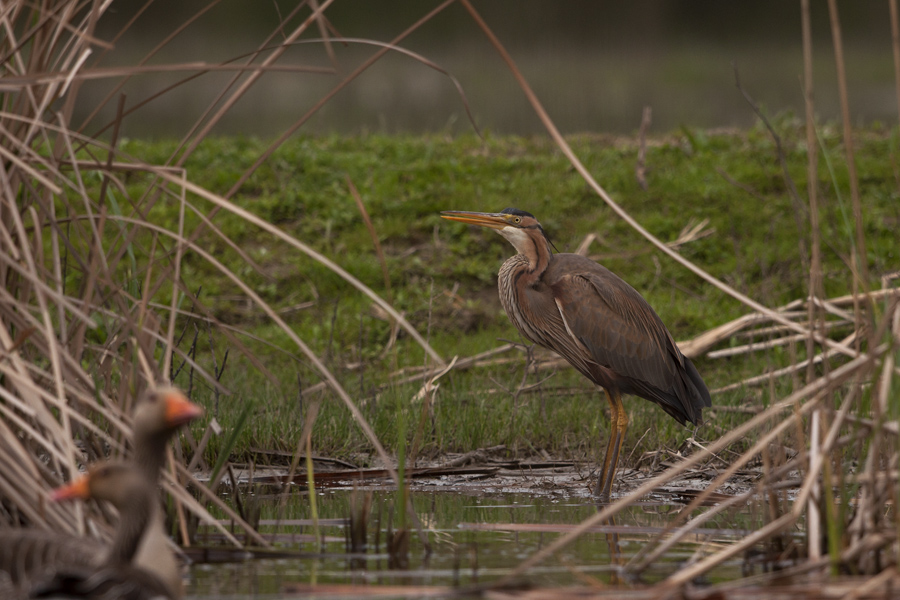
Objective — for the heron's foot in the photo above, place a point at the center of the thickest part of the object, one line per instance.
(601, 492)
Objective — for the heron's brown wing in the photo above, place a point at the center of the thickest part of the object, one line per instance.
(617, 327)
(624, 336)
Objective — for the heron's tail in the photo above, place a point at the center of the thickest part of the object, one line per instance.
(697, 393)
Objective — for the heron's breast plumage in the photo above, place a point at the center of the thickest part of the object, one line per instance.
(532, 308)
(510, 272)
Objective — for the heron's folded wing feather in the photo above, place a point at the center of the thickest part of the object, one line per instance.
(618, 327)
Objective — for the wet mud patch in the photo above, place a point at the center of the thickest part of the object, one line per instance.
(477, 471)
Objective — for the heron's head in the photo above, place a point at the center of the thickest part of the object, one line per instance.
(522, 230)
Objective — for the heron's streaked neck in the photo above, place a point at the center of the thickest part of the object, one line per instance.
(533, 246)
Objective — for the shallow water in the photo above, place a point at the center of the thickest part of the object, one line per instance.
(476, 535)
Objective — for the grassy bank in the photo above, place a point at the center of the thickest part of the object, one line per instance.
(443, 275)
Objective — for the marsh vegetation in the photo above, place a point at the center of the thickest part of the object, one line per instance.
(306, 292)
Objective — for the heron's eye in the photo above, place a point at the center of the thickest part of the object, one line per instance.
(518, 220)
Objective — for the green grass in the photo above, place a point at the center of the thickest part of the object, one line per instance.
(406, 181)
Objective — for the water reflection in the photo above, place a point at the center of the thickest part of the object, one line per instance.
(474, 537)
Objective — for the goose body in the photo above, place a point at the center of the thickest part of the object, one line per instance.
(72, 565)
(113, 572)
(124, 582)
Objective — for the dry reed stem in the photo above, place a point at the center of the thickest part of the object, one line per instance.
(759, 447)
(17, 84)
(461, 364)
(46, 56)
(814, 520)
(399, 320)
(645, 558)
(816, 285)
(640, 168)
(775, 526)
(771, 343)
(324, 100)
(311, 356)
(323, 24)
(685, 575)
(895, 46)
(585, 244)
(796, 202)
(706, 340)
(245, 86)
(816, 461)
(814, 388)
(222, 203)
(767, 377)
(374, 235)
(312, 414)
(179, 250)
(697, 346)
(886, 579)
(272, 314)
(862, 258)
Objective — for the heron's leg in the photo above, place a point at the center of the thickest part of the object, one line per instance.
(618, 425)
(602, 487)
(621, 427)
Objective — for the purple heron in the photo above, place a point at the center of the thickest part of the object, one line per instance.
(592, 318)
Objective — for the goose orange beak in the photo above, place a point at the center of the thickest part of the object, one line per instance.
(179, 410)
(80, 488)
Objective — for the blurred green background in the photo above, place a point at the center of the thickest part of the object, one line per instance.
(595, 64)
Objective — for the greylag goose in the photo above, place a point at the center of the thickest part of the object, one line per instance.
(26, 554)
(134, 496)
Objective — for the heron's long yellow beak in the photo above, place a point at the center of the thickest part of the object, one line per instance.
(492, 220)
